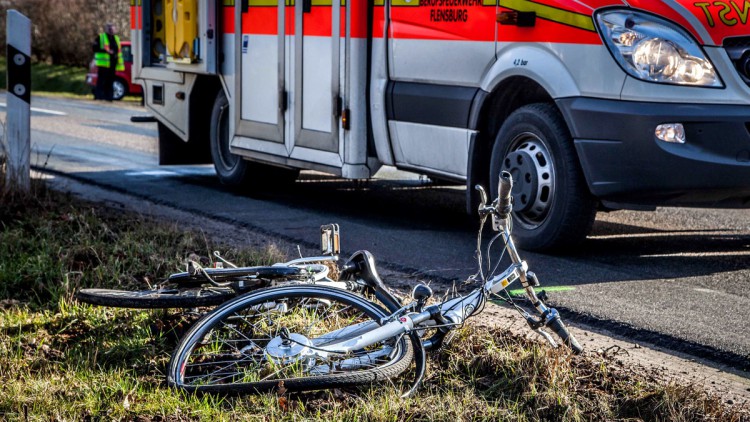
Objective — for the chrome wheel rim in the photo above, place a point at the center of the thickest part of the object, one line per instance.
(118, 90)
(530, 163)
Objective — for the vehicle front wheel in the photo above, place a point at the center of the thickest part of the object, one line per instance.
(552, 206)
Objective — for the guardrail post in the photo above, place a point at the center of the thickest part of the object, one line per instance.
(18, 124)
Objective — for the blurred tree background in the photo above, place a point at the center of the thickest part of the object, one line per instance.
(63, 30)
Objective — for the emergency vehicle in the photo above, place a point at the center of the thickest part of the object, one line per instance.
(590, 104)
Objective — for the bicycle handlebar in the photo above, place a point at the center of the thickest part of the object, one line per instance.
(502, 206)
(555, 324)
(504, 187)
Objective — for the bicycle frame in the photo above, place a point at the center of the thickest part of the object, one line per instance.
(453, 312)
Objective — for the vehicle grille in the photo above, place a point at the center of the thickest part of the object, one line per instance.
(738, 49)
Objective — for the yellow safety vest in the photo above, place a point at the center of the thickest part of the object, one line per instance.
(101, 58)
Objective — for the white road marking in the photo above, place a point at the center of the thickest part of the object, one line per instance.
(697, 254)
(151, 173)
(41, 110)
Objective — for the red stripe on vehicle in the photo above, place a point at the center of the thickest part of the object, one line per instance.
(471, 23)
(358, 27)
(547, 31)
(359, 20)
(227, 20)
(261, 21)
(289, 20)
(318, 22)
(378, 22)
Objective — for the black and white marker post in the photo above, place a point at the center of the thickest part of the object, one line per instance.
(18, 124)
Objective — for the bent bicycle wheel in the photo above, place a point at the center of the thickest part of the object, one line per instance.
(274, 337)
(157, 298)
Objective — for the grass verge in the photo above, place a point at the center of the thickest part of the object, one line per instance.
(56, 80)
(53, 78)
(63, 360)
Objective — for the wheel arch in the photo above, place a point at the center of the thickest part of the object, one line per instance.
(521, 75)
(488, 116)
(201, 103)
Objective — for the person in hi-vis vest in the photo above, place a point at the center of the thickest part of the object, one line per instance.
(108, 59)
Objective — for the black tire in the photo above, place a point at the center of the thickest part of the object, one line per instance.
(156, 298)
(185, 279)
(552, 206)
(229, 345)
(233, 170)
(119, 89)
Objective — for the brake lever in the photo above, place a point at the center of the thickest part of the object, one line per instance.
(548, 337)
(536, 325)
(484, 209)
(222, 259)
(482, 196)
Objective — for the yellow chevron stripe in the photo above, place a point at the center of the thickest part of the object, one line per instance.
(262, 3)
(543, 11)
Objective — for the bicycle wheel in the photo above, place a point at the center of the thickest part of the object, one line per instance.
(157, 298)
(240, 347)
(227, 274)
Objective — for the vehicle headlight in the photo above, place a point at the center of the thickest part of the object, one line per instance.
(653, 49)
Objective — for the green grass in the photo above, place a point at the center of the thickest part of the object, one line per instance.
(57, 81)
(53, 79)
(62, 360)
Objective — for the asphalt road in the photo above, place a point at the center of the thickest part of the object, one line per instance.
(675, 277)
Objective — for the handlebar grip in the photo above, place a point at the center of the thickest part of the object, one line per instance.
(559, 328)
(505, 185)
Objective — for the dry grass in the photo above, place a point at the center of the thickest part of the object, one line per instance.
(61, 360)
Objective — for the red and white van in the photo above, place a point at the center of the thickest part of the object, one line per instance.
(590, 104)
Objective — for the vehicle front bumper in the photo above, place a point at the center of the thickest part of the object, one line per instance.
(624, 162)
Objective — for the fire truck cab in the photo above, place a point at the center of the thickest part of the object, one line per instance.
(590, 104)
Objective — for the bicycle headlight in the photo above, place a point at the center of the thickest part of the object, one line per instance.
(653, 49)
